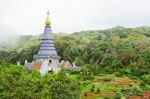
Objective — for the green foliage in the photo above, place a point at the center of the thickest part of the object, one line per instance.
(107, 79)
(85, 94)
(106, 97)
(146, 78)
(119, 74)
(125, 51)
(87, 75)
(98, 90)
(92, 89)
(17, 83)
(144, 86)
(118, 96)
(93, 86)
(105, 51)
(63, 88)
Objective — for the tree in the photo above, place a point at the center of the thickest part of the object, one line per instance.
(64, 88)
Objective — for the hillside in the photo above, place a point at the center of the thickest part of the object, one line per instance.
(116, 47)
(115, 63)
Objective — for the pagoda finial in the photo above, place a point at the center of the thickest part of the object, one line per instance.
(48, 21)
(47, 12)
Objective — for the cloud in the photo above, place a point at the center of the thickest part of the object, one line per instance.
(28, 16)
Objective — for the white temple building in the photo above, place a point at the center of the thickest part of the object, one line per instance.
(47, 58)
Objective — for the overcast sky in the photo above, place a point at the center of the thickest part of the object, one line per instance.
(28, 16)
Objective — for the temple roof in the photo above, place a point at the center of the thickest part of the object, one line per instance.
(47, 48)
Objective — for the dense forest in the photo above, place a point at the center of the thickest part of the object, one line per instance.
(120, 50)
(109, 49)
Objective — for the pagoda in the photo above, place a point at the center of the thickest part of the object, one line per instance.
(47, 58)
(47, 49)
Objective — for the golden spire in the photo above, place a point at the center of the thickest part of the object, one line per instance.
(48, 21)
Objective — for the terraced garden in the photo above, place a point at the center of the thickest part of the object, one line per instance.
(109, 86)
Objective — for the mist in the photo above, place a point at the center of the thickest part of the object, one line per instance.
(27, 17)
(7, 37)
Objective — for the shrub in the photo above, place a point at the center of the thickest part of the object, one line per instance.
(127, 71)
(131, 85)
(101, 75)
(118, 96)
(85, 94)
(107, 79)
(106, 97)
(93, 86)
(146, 78)
(135, 81)
(109, 70)
(119, 74)
(133, 77)
(140, 94)
(144, 86)
(138, 91)
(98, 90)
(79, 83)
(122, 90)
(92, 89)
